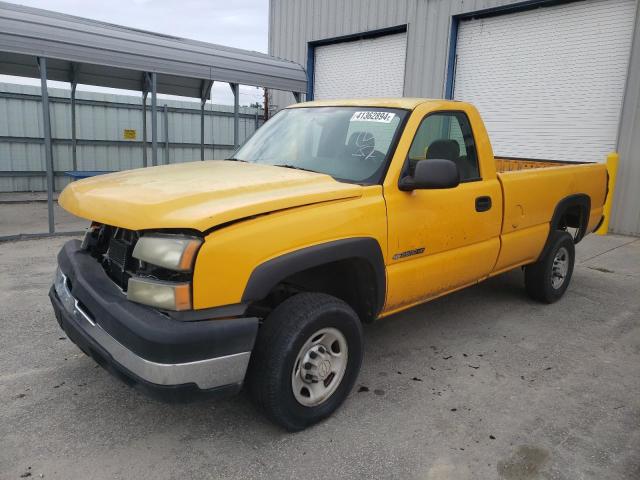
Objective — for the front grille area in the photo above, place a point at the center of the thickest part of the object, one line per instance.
(117, 252)
(113, 247)
(120, 265)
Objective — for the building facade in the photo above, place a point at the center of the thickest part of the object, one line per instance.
(554, 80)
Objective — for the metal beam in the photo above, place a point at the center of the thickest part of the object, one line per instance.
(205, 92)
(202, 102)
(27, 173)
(74, 84)
(48, 151)
(266, 104)
(236, 111)
(118, 105)
(165, 133)
(154, 119)
(104, 143)
(145, 162)
(145, 91)
(74, 153)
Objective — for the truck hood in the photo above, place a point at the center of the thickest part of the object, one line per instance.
(197, 195)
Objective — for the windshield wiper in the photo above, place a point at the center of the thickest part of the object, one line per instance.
(294, 167)
(233, 159)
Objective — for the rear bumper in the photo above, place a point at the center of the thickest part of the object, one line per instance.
(165, 357)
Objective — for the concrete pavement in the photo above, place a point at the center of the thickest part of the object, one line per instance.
(481, 384)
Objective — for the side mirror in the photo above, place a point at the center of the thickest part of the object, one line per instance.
(432, 174)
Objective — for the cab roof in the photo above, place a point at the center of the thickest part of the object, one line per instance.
(400, 102)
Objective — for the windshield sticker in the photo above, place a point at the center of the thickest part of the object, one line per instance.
(364, 145)
(369, 116)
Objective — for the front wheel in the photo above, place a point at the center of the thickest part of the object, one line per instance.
(306, 359)
(548, 278)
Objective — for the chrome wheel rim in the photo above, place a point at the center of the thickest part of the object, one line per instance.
(319, 367)
(560, 268)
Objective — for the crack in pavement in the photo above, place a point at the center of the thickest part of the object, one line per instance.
(610, 250)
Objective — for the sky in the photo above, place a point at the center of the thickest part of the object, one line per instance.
(235, 23)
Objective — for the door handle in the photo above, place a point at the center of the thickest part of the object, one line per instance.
(483, 204)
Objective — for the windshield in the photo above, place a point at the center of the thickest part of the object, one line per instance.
(349, 143)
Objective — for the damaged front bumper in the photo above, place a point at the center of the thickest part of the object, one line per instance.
(165, 357)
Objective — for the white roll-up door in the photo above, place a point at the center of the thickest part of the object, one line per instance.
(548, 82)
(371, 67)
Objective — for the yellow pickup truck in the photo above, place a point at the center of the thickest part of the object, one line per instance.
(195, 279)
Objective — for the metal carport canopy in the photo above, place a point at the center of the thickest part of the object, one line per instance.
(53, 46)
(113, 56)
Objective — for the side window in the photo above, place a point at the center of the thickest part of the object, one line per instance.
(446, 135)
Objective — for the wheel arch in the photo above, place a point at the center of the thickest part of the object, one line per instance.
(572, 211)
(359, 251)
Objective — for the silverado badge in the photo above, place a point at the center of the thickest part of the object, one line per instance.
(408, 253)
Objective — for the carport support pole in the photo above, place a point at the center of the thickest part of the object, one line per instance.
(154, 120)
(205, 93)
(236, 113)
(48, 152)
(202, 102)
(165, 132)
(74, 141)
(144, 128)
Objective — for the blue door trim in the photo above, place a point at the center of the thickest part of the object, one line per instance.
(487, 12)
(311, 48)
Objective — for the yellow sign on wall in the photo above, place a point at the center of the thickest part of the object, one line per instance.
(129, 134)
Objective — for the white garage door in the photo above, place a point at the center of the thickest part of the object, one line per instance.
(362, 68)
(549, 82)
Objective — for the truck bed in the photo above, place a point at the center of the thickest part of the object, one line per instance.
(510, 164)
(532, 189)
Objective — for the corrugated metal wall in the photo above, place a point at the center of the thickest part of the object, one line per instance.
(100, 122)
(293, 23)
(626, 205)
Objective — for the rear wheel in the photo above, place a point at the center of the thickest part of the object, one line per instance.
(306, 359)
(548, 278)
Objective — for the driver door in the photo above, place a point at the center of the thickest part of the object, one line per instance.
(441, 239)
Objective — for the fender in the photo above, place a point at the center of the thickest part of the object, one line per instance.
(268, 274)
(581, 200)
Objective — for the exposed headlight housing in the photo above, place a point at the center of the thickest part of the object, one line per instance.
(159, 294)
(174, 252)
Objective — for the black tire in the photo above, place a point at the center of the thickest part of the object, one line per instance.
(280, 339)
(540, 279)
